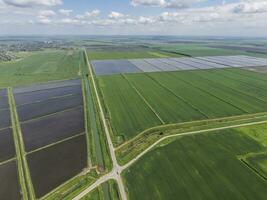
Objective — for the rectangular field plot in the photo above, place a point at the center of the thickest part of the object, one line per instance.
(235, 79)
(7, 148)
(203, 166)
(46, 86)
(43, 95)
(162, 65)
(114, 67)
(4, 101)
(52, 166)
(42, 132)
(179, 65)
(9, 184)
(30, 111)
(218, 89)
(105, 67)
(144, 66)
(3, 92)
(207, 104)
(258, 163)
(5, 120)
(167, 105)
(127, 111)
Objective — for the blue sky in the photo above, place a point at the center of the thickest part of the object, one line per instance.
(151, 17)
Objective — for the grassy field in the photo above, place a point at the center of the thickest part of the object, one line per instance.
(203, 166)
(126, 110)
(197, 50)
(40, 67)
(103, 55)
(143, 100)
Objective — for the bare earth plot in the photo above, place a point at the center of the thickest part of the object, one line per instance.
(9, 186)
(9, 180)
(53, 131)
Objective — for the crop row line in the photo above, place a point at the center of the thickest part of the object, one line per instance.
(144, 99)
(179, 97)
(209, 93)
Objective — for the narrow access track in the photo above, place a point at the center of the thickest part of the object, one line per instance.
(116, 172)
(113, 174)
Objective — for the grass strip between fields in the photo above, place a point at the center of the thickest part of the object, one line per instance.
(129, 150)
(7, 161)
(23, 170)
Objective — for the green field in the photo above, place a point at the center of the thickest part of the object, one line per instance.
(197, 50)
(258, 162)
(40, 66)
(142, 100)
(203, 166)
(102, 55)
(126, 110)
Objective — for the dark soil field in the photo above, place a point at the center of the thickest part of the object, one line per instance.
(4, 118)
(49, 85)
(9, 186)
(42, 132)
(30, 111)
(3, 92)
(7, 148)
(53, 166)
(42, 95)
(3, 101)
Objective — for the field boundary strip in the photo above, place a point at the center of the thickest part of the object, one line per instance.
(144, 99)
(86, 124)
(7, 161)
(23, 171)
(193, 123)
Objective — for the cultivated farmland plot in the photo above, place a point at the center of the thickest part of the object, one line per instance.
(9, 186)
(173, 170)
(105, 67)
(144, 66)
(7, 147)
(53, 132)
(181, 96)
(114, 67)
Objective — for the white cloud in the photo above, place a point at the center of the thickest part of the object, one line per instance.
(251, 7)
(165, 3)
(115, 15)
(46, 13)
(32, 3)
(65, 12)
(89, 14)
